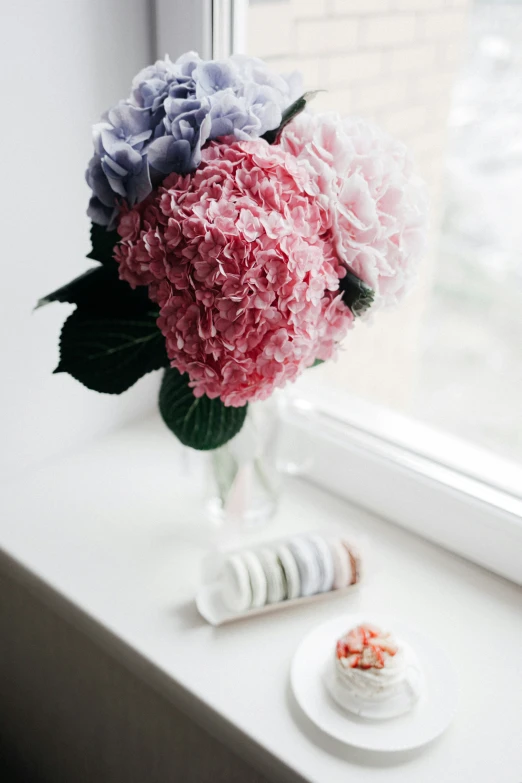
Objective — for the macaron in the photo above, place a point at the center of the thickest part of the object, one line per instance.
(355, 561)
(306, 557)
(324, 561)
(274, 575)
(257, 576)
(236, 591)
(290, 571)
(341, 563)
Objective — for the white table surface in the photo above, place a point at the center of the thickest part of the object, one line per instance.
(117, 530)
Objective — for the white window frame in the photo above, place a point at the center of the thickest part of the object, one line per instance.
(213, 28)
(411, 479)
(427, 482)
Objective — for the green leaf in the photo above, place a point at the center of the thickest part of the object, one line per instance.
(101, 291)
(82, 288)
(75, 291)
(103, 243)
(292, 111)
(357, 295)
(197, 422)
(318, 362)
(109, 353)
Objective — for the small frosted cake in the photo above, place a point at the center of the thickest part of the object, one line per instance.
(375, 675)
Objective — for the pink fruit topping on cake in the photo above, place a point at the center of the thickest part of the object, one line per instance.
(365, 647)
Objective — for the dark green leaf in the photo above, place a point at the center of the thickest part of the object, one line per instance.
(101, 291)
(318, 362)
(356, 294)
(103, 243)
(197, 422)
(75, 291)
(292, 111)
(110, 353)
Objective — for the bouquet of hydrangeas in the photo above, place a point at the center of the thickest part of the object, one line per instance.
(238, 237)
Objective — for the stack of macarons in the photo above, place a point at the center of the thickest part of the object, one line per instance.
(300, 566)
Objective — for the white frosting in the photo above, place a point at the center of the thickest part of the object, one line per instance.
(378, 692)
(372, 684)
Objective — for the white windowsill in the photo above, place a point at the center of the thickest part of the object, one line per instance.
(437, 486)
(116, 531)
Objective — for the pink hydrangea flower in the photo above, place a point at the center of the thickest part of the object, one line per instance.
(239, 257)
(376, 205)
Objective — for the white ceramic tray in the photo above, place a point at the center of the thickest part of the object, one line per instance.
(214, 611)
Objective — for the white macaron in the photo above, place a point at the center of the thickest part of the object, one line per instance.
(235, 584)
(274, 575)
(324, 561)
(341, 563)
(290, 572)
(257, 576)
(306, 557)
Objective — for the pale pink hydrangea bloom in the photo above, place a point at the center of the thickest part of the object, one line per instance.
(376, 205)
(239, 257)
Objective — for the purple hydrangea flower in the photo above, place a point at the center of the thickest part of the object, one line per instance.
(173, 109)
(119, 166)
(186, 127)
(154, 83)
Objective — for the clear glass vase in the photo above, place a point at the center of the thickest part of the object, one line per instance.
(244, 476)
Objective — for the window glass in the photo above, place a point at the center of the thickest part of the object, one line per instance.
(447, 81)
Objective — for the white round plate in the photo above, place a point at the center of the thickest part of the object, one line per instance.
(427, 719)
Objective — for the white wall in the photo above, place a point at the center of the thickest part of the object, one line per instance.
(63, 63)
